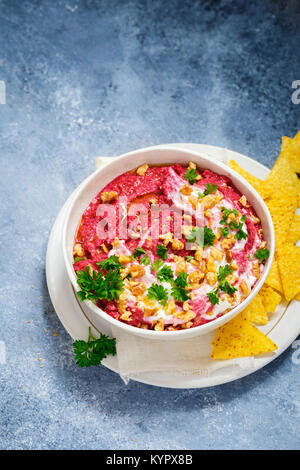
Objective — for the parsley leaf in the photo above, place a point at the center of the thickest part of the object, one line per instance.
(157, 264)
(138, 252)
(224, 231)
(225, 286)
(162, 251)
(201, 235)
(99, 286)
(210, 188)
(262, 254)
(159, 293)
(145, 260)
(240, 234)
(112, 262)
(91, 352)
(189, 258)
(191, 175)
(223, 272)
(179, 286)
(243, 218)
(165, 274)
(213, 296)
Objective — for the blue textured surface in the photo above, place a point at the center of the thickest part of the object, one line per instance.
(85, 78)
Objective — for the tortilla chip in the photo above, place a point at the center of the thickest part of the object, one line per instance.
(294, 232)
(282, 177)
(255, 182)
(255, 311)
(289, 269)
(297, 297)
(270, 298)
(282, 210)
(240, 338)
(291, 151)
(273, 280)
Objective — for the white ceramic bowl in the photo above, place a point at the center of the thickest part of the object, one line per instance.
(163, 155)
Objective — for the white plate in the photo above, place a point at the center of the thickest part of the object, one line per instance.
(283, 327)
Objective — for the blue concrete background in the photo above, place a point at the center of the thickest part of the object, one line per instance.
(85, 78)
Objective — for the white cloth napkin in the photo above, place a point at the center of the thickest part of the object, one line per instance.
(137, 355)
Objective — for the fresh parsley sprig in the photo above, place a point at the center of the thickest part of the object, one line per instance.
(162, 251)
(179, 287)
(99, 285)
(191, 175)
(93, 351)
(201, 235)
(159, 293)
(165, 274)
(210, 189)
(262, 254)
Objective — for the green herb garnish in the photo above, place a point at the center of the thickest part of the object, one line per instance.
(179, 286)
(225, 286)
(213, 296)
(99, 286)
(162, 251)
(191, 175)
(224, 231)
(110, 263)
(93, 351)
(157, 264)
(159, 293)
(165, 274)
(201, 235)
(145, 260)
(138, 252)
(223, 272)
(262, 254)
(189, 258)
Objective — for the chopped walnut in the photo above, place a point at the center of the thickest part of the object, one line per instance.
(153, 201)
(186, 190)
(263, 245)
(216, 253)
(211, 278)
(177, 244)
(141, 171)
(193, 201)
(195, 277)
(115, 242)
(187, 217)
(104, 248)
(227, 243)
(232, 218)
(244, 288)
(208, 201)
(124, 259)
(186, 229)
(137, 288)
(109, 196)
(166, 237)
(79, 250)
(192, 166)
(136, 270)
(228, 254)
(126, 316)
(170, 308)
(199, 254)
(207, 214)
(234, 265)
(210, 264)
(186, 316)
(243, 200)
(256, 269)
(159, 325)
(255, 219)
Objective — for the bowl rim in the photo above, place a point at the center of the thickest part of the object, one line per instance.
(201, 329)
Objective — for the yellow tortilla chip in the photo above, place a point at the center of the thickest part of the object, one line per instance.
(290, 150)
(255, 311)
(270, 298)
(273, 280)
(240, 338)
(255, 182)
(297, 297)
(294, 232)
(282, 210)
(282, 177)
(289, 269)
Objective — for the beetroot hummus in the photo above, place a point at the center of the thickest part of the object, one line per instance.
(168, 248)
